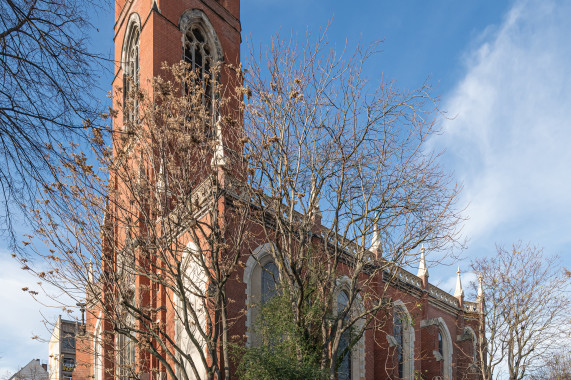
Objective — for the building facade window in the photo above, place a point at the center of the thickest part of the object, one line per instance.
(352, 364)
(68, 364)
(403, 334)
(131, 69)
(260, 277)
(125, 346)
(125, 357)
(398, 335)
(197, 52)
(201, 51)
(68, 341)
(270, 277)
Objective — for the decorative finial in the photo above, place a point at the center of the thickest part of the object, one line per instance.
(314, 196)
(459, 291)
(314, 210)
(422, 268)
(90, 276)
(376, 240)
(480, 286)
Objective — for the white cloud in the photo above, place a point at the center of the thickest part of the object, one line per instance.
(21, 319)
(510, 140)
(448, 284)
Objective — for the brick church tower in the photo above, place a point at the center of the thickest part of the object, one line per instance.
(149, 33)
(149, 36)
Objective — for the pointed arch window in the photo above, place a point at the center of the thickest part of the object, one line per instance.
(398, 335)
(198, 53)
(126, 361)
(403, 341)
(131, 69)
(201, 51)
(270, 277)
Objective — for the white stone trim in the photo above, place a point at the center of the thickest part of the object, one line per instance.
(195, 273)
(358, 371)
(97, 341)
(134, 21)
(408, 340)
(259, 257)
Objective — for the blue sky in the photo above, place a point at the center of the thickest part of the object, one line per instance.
(501, 69)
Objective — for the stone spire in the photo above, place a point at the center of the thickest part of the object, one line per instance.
(480, 299)
(315, 211)
(422, 268)
(90, 276)
(459, 290)
(480, 287)
(376, 240)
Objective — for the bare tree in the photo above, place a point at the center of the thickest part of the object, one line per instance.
(556, 367)
(329, 167)
(344, 186)
(47, 78)
(527, 310)
(151, 245)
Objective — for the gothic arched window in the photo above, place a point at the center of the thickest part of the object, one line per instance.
(403, 334)
(261, 277)
(201, 51)
(131, 62)
(440, 343)
(344, 369)
(126, 361)
(398, 335)
(198, 54)
(270, 276)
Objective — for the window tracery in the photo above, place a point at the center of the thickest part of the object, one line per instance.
(403, 338)
(131, 70)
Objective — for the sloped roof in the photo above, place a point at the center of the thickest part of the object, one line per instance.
(31, 371)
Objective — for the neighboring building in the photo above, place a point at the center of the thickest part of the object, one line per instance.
(62, 350)
(34, 370)
(430, 332)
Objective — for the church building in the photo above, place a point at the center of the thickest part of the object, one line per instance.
(426, 332)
